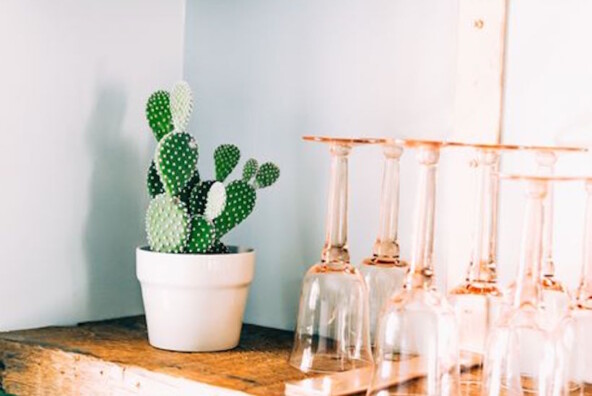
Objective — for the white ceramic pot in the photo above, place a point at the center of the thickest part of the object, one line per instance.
(194, 302)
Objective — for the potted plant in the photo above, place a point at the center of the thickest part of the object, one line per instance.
(194, 287)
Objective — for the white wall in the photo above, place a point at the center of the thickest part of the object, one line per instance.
(548, 101)
(74, 77)
(266, 72)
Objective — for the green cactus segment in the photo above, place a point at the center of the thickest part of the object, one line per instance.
(216, 201)
(199, 197)
(155, 186)
(226, 158)
(185, 194)
(167, 224)
(202, 235)
(176, 158)
(159, 115)
(267, 174)
(218, 248)
(181, 105)
(240, 201)
(250, 169)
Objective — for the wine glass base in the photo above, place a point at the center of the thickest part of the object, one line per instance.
(328, 363)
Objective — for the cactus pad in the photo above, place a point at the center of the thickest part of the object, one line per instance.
(218, 248)
(267, 174)
(240, 201)
(202, 235)
(155, 186)
(167, 224)
(185, 194)
(159, 115)
(216, 201)
(176, 158)
(181, 105)
(226, 158)
(250, 169)
(199, 197)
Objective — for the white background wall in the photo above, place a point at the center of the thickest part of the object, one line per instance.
(267, 72)
(548, 101)
(74, 77)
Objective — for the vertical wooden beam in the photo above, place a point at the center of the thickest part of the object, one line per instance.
(480, 70)
(478, 118)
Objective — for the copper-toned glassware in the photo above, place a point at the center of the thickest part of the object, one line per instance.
(528, 348)
(478, 299)
(332, 332)
(582, 303)
(417, 334)
(384, 272)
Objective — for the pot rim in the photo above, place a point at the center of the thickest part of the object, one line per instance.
(235, 251)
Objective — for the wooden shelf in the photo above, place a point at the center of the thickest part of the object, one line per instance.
(114, 357)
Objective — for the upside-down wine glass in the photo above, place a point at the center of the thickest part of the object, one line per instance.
(582, 306)
(527, 353)
(477, 301)
(416, 348)
(332, 332)
(554, 292)
(384, 271)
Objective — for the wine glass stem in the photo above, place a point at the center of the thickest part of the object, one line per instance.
(482, 267)
(386, 245)
(586, 279)
(528, 290)
(546, 167)
(421, 269)
(335, 251)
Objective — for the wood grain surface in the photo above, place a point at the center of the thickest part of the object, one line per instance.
(114, 358)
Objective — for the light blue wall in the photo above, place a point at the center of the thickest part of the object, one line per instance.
(266, 72)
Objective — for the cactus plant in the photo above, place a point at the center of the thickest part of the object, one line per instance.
(187, 214)
(226, 158)
(250, 169)
(267, 174)
(240, 201)
(159, 115)
(202, 236)
(176, 158)
(155, 186)
(181, 105)
(167, 224)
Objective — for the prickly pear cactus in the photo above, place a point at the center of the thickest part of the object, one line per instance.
(226, 158)
(218, 248)
(155, 187)
(181, 105)
(159, 115)
(240, 201)
(202, 236)
(176, 158)
(185, 194)
(167, 224)
(267, 174)
(216, 201)
(187, 214)
(250, 169)
(199, 197)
